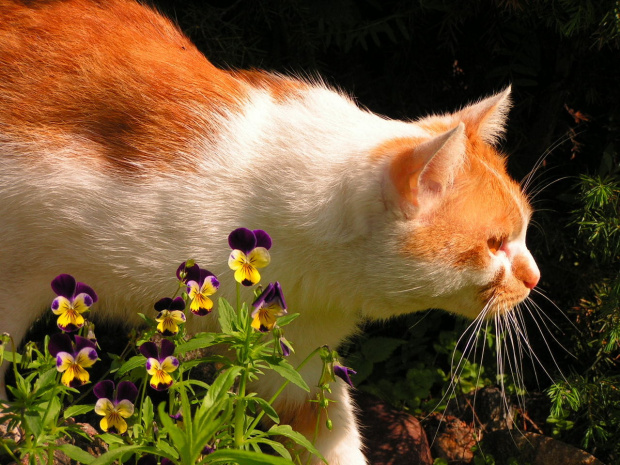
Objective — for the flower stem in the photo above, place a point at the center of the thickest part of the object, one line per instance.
(282, 387)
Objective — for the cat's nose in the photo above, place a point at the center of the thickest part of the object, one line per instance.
(531, 278)
(525, 269)
(531, 281)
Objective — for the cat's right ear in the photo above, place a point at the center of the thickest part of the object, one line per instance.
(422, 172)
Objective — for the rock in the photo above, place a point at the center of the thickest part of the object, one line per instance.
(391, 437)
(534, 449)
(452, 438)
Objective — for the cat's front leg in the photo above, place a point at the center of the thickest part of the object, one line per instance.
(342, 445)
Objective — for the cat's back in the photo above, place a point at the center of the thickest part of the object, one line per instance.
(112, 74)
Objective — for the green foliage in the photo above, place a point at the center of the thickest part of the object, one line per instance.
(196, 423)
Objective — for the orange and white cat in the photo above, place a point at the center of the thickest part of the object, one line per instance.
(123, 152)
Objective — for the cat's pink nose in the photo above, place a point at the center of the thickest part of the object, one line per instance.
(532, 278)
(531, 283)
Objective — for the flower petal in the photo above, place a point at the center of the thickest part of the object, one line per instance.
(60, 305)
(185, 273)
(60, 342)
(163, 304)
(149, 350)
(82, 342)
(167, 326)
(64, 360)
(104, 406)
(177, 304)
(113, 423)
(86, 357)
(169, 364)
(201, 305)
(247, 275)
(237, 259)
(152, 366)
(259, 257)
(242, 239)
(81, 288)
(82, 302)
(70, 321)
(126, 391)
(64, 285)
(125, 408)
(161, 380)
(104, 390)
(167, 348)
(75, 376)
(262, 239)
(344, 373)
(209, 285)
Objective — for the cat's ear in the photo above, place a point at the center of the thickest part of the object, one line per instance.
(487, 118)
(423, 172)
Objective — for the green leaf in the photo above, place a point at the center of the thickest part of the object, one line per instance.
(134, 362)
(148, 414)
(33, 422)
(227, 315)
(245, 457)
(286, 370)
(200, 341)
(268, 409)
(77, 410)
(300, 439)
(52, 411)
(12, 357)
(221, 385)
(110, 438)
(275, 445)
(286, 319)
(110, 456)
(77, 454)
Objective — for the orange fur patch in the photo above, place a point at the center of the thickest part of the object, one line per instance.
(112, 72)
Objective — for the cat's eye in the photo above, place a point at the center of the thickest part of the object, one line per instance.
(495, 244)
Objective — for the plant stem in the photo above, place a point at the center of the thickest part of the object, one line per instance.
(281, 388)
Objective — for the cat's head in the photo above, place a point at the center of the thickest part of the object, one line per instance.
(460, 223)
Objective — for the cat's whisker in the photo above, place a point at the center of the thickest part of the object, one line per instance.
(542, 333)
(538, 190)
(528, 179)
(542, 294)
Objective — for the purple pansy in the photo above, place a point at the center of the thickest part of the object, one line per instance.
(73, 299)
(250, 252)
(344, 373)
(170, 315)
(268, 307)
(160, 363)
(115, 405)
(72, 358)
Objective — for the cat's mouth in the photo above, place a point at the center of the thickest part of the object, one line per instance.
(502, 295)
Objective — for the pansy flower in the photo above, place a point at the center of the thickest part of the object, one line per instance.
(170, 315)
(73, 299)
(159, 364)
(344, 373)
(188, 271)
(199, 290)
(268, 307)
(114, 405)
(250, 252)
(72, 358)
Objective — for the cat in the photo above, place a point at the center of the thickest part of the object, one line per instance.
(123, 152)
